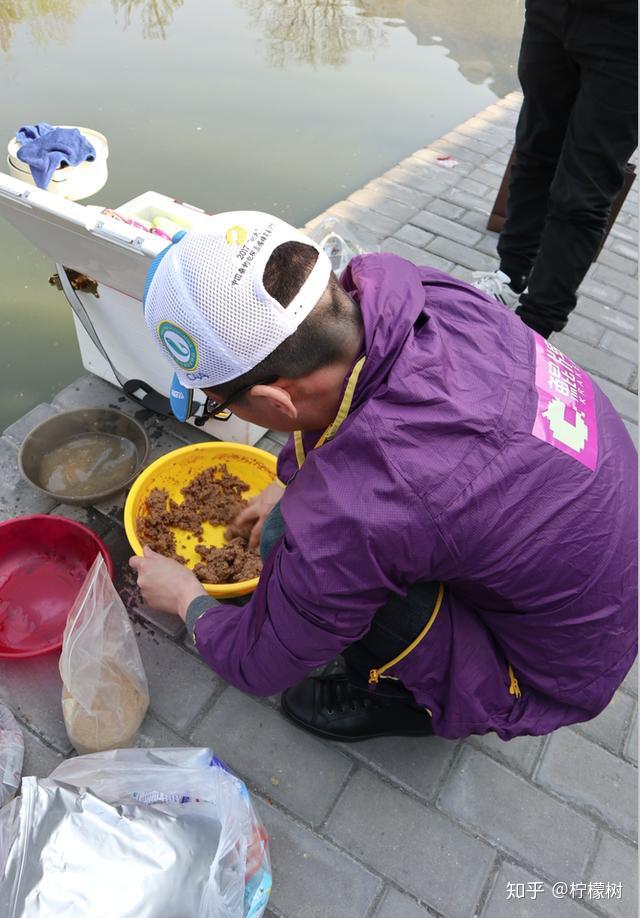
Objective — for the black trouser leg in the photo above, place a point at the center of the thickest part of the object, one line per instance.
(549, 80)
(393, 628)
(601, 136)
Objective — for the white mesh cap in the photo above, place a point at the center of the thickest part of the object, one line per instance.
(206, 304)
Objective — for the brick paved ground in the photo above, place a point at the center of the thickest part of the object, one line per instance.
(394, 828)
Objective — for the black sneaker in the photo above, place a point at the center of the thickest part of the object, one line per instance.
(334, 708)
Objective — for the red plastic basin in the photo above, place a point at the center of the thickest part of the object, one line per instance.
(43, 562)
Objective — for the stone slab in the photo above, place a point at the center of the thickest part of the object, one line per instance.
(591, 778)
(17, 497)
(17, 431)
(311, 877)
(416, 847)
(397, 905)
(517, 893)
(610, 728)
(295, 769)
(32, 689)
(520, 753)
(631, 746)
(617, 862)
(39, 759)
(516, 816)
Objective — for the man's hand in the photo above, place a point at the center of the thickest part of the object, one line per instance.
(165, 584)
(257, 511)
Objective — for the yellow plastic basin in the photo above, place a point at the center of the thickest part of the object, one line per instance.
(174, 471)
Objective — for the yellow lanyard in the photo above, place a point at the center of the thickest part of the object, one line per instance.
(343, 411)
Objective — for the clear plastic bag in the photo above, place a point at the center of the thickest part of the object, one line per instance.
(339, 242)
(11, 755)
(135, 833)
(105, 693)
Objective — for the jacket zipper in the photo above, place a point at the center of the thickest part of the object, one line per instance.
(376, 674)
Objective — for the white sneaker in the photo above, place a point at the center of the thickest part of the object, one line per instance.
(496, 285)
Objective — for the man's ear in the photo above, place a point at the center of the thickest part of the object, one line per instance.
(278, 398)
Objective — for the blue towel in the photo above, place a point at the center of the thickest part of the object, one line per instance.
(45, 148)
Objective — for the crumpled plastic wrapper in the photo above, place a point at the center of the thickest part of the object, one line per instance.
(135, 833)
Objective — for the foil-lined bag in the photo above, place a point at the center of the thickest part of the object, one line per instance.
(11, 754)
(134, 833)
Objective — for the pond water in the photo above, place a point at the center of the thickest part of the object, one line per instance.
(277, 105)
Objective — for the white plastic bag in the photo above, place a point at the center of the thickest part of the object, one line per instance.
(339, 242)
(105, 693)
(135, 833)
(11, 754)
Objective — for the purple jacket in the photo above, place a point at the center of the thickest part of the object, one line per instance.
(475, 454)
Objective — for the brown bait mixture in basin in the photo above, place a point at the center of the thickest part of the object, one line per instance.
(213, 496)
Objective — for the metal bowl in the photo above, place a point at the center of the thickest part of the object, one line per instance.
(63, 428)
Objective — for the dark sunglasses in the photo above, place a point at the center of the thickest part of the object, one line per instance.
(219, 411)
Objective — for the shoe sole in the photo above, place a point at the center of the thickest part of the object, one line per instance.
(344, 739)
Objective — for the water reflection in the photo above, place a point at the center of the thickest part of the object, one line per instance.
(316, 32)
(480, 36)
(155, 15)
(48, 20)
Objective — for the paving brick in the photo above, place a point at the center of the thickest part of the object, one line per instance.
(476, 220)
(161, 442)
(512, 897)
(153, 734)
(633, 431)
(625, 402)
(620, 231)
(619, 262)
(375, 223)
(469, 201)
(302, 773)
(416, 763)
(594, 360)
(463, 274)
(444, 209)
(279, 436)
(430, 170)
(396, 905)
(631, 746)
(32, 689)
(86, 515)
(607, 316)
(630, 681)
(24, 425)
(488, 245)
(458, 151)
(441, 226)
(609, 277)
(461, 254)
(620, 345)
(91, 391)
(627, 249)
(482, 189)
(449, 174)
(610, 728)
(520, 753)
(629, 304)
(516, 816)
(584, 329)
(399, 192)
(311, 877)
(474, 142)
(39, 760)
(16, 496)
(382, 204)
(421, 178)
(603, 293)
(413, 235)
(417, 256)
(586, 775)
(394, 834)
(617, 862)
(180, 686)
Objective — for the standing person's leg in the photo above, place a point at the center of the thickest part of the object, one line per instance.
(549, 82)
(601, 136)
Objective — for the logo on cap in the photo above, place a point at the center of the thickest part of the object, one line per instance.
(180, 345)
(236, 235)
